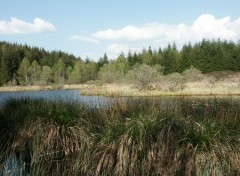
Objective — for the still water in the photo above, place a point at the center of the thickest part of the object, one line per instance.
(55, 95)
(75, 95)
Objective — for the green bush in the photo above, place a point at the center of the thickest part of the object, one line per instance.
(143, 76)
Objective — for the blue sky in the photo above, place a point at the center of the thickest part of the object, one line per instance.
(91, 28)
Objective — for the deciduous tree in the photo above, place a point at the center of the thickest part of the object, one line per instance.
(24, 72)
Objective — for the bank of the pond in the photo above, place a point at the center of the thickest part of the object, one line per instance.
(135, 137)
(191, 89)
(38, 88)
(129, 90)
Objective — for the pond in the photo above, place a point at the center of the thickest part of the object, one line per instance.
(75, 95)
(55, 95)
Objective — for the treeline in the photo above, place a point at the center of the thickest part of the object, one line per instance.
(207, 56)
(25, 65)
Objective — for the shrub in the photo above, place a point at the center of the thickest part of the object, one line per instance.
(143, 76)
(192, 74)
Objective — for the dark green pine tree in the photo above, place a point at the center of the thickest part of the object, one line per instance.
(150, 50)
(170, 60)
(185, 60)
(103, 60)
(218, 61)
(198, 57)
(130, 59)
(234, 60)
(3, 72)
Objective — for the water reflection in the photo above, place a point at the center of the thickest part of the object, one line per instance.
(75, 95)
(56, 95)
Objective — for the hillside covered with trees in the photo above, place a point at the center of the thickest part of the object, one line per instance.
(25, 65)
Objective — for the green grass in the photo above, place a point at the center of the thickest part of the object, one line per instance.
(130, 137)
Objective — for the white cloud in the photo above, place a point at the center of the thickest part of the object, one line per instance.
(84, 39)
(205, 26)
(208, 26)
(115, 49)
(131, 33)
(16, 26)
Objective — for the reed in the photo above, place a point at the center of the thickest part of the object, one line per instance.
(164, 88)
(128, 137)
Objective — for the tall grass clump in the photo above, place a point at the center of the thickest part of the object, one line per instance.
(129, 137)
(47, 137)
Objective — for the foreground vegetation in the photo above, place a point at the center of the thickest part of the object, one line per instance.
(128, 137)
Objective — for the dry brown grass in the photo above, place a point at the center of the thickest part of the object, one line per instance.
(193, 88)
(37, 87)
(52, 146)
(22, 88)
(217, 83)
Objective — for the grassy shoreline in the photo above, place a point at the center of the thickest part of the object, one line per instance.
(128, 90)
(192, 89)
(39, 88)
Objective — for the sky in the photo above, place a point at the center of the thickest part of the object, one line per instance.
(91, 28)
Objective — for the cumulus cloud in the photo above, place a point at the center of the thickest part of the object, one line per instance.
(16, 26)
(84, 39)
(133, 33)
(115, 49)
(205, 26)
(208, 26)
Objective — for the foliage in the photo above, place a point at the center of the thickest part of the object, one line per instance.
(121, 65)
(143, 75)
(46, 75)
(174, 81)
(206, 56)
(192, 74)
(24, 72)
(35, 72)
(102, 61)
(59, 71)
(170, 60)
(109, 73)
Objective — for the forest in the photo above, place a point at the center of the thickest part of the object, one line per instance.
(26, 65)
